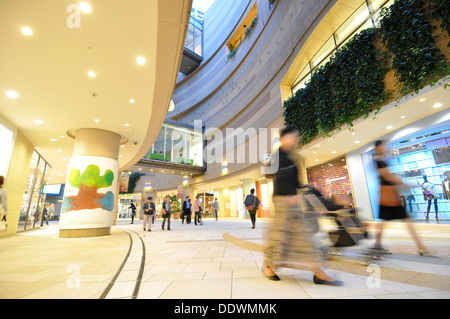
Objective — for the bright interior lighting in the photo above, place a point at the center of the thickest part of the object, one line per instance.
(357, 142)
(437, 105)
(92, 74)
(38, 122)
(96, 120)
(132, 101)
(402, 117)
(26, 31)
(126, 124)
(59, 151)
(389, 127)
(422, 100)
(85, 7)
(53, 139)
(12, 94)
(171, 106)
(140, 60)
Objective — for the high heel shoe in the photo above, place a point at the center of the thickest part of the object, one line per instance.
(425, 253)
(274, 277)
(319, 281)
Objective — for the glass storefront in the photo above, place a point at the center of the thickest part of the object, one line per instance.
(422, 160)
(34, 198)
(177, 144)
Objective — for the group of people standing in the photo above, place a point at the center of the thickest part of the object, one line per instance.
(196, 208)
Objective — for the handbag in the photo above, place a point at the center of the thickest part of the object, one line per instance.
(251, 207)
(389, 196)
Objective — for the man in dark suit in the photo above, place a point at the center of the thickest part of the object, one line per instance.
(186, 210)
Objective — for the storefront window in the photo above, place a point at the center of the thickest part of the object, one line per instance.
(418, 159)
(33, 198)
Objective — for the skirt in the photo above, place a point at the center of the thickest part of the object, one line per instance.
(392, 212)
(289, 241)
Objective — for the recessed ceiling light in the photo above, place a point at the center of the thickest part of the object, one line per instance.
(132, 101)
(96, 120)
(389, 127)
(39, 122)
(140, 60)
(402, 117)
(437, 105)
(53, 139)
(27, 31)
(12, 94)
(422, 100)
(353, 133)
(317, 159)
(357, 142)
(64, 159)
(85, 7)
(122, 146)
(62, 136)
(334, 152)
(126, 124)
(59, 151)
(162, 171)
(314, 152)
(92, 74)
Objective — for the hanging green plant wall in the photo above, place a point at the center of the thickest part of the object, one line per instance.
(351, 84)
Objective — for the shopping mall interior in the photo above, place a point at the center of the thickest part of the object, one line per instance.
(104, 104)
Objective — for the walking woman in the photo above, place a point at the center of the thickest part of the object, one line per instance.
(391, 207)
(198, 209)
(290, 240)
(251, 204)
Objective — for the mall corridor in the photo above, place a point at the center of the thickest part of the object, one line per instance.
(199, 262)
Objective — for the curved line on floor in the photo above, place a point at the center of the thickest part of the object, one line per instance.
(141, 269)
(113, 281)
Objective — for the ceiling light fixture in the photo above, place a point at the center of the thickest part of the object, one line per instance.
(140, 60)
(357, 142)
(437, 105)
(126, 124)
(389, 127)
(39, 122)
(27, 31)
(53, 139)
(12, 94)
(92, 74)
(85, 7)
(96, 120)
(422, 100)
(132, 101)
(171, 106)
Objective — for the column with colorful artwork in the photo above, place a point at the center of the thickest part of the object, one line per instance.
(91, 185)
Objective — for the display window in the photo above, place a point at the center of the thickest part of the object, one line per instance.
(422, 160)
(33, 198)
(332, 181)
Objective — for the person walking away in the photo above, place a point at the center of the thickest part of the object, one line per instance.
(198, 208)
(167, 211)
(133, 212)
(44, 215)
(3, 200)
(186, 211)
(289, 242)
(189, 212)
(216, 206)
(251, 204)
(391, 207)
(149, 210)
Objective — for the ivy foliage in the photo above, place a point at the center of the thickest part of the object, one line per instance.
(407, 34)
(348, 86)
(439, 10)
(351, 84)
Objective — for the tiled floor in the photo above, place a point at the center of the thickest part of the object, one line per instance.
(196, 262)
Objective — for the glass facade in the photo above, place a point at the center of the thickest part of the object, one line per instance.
(366, 16)
(422, 160)
(194, 36)
(177, 144)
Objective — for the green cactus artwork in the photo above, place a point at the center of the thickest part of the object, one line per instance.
(88, 184)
